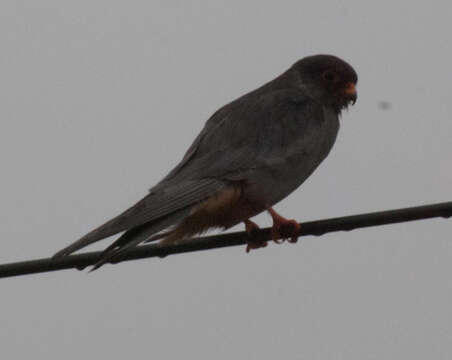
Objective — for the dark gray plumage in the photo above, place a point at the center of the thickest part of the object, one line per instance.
(252, 153)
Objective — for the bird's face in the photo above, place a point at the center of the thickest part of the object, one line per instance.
(329, 79)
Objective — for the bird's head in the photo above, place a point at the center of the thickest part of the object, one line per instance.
(328, 79)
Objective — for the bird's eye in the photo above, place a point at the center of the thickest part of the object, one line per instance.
(330, 76)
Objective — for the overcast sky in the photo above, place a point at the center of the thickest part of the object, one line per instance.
(100, 99)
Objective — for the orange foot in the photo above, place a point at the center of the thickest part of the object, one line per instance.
(253, 242)
(283, 228)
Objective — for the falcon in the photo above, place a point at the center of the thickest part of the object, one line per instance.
(251, 154)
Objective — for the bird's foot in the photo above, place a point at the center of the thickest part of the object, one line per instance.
(283, 228)
(254, 241)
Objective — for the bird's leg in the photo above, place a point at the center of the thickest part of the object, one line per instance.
(252, 229)
(283, 228)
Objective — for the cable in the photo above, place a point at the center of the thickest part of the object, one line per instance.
(316, 228)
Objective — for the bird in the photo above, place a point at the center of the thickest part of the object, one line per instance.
(251, 153)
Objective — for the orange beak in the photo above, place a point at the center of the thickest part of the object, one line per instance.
(350, 91)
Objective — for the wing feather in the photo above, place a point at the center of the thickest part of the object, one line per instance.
(154, 206)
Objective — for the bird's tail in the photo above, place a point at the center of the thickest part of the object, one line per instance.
(156, 211)
(137, 235)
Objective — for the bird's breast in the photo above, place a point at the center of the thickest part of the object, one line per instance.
(287, 166)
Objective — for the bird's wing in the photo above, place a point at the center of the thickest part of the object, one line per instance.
(154, 206)
(242, 133)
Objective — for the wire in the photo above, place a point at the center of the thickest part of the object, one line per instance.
(316, 228)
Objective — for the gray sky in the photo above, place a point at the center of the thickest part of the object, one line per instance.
(99, 99)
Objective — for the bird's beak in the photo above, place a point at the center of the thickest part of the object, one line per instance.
(350, 92)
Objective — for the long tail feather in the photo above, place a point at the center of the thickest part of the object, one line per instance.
(157, 205)
(138, 235)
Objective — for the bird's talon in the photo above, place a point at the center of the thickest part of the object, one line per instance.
(254, 242)
(283, 229)
(255, 245)
(293, 239)
(289, 229)
(252, 229)
(277, 239)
